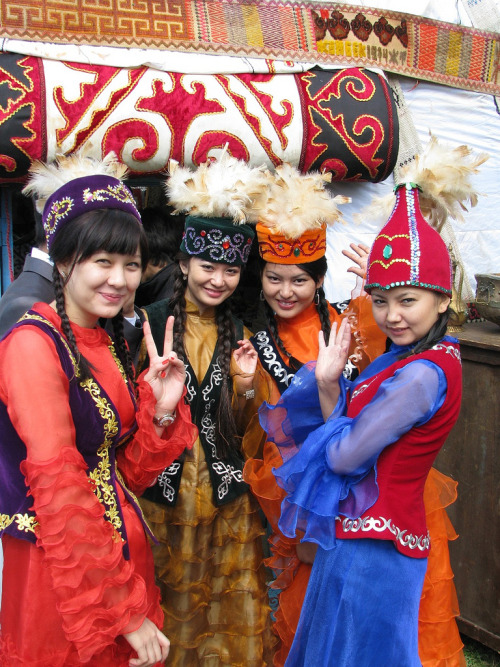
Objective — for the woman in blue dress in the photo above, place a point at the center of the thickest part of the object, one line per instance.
(356, 455)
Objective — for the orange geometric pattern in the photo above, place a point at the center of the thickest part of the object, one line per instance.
(306, 30)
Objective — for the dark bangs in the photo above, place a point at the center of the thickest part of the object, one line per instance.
(108, 230)
(316, 270)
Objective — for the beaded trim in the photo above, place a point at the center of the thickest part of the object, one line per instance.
(402, 283)
(218, 245)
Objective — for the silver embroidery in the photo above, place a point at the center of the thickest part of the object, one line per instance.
(164, 480)
(272, 360)
(449, 349)
(379, 525)
(228, 474)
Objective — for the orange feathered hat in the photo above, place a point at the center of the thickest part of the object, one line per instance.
(293, 216)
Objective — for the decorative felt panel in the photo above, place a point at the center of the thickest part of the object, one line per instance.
(343, 121)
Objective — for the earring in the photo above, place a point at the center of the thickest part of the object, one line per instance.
(316, 297)
(184, 277)
(63, 275)
(261, 295)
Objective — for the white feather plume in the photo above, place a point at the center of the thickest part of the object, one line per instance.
(226, 188)
(45, 179)
(298, 202)
(444, 175)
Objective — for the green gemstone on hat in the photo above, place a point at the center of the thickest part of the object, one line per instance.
(296, 252)
(387, 252)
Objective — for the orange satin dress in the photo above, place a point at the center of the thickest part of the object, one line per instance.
(439, 640)
(68, 600)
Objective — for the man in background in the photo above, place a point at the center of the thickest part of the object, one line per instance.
(33, 284)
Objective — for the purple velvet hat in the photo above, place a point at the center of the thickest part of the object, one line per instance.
(83, 194)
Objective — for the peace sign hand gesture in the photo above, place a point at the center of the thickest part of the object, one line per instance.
(166, 374)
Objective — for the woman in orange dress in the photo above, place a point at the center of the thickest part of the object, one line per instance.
(293, 267)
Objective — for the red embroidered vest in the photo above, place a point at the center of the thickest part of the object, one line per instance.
(403, 466)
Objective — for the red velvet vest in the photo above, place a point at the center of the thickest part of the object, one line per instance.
(403, 466)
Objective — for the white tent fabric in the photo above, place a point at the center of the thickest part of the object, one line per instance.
(455, 117)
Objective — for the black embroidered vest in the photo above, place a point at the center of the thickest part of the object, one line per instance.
(225, 472)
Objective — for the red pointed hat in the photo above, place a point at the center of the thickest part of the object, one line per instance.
(408, 251)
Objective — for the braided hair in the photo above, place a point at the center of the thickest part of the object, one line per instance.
(108, 230)
(316, 270)
(226, 434)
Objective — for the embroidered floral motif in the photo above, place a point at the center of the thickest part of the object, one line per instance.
(101, 475)
(165, 480)
(119, 192)
(25, 523)
(58, 211)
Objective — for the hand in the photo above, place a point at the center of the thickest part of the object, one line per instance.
(245, 358)
(332, 358)
(166, 374)
(360, 257)
(149, 643)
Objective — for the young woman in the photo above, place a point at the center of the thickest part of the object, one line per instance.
(293, 268)
(209, 560)
(356, 456)
(79, 438)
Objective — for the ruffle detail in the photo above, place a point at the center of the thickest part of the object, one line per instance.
(368, 341)
(209, 565)
(315, 495)
(147, 454)
(439, 640)
(99, 595)
(291, 575)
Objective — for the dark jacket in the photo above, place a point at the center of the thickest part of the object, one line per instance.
(33, 284)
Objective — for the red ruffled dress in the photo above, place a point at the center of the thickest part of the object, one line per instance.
(439, 640)
(69, 599)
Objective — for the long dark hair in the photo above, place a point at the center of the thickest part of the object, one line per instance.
(226, 434)
(316, 270)
(108, 230)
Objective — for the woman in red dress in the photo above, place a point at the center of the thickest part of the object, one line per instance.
(79, 438)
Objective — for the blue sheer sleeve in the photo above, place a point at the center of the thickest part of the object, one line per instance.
(330, 468)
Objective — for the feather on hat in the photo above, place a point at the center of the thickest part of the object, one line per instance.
(45, 179)
(296, 202)
(75, 184)
(443, 175)
(223, 188)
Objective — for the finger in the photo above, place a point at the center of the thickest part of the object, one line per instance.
(333, 334)
(344, 335)
(165, 646)
(150, 343)
(168, 341)
(321, 340)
